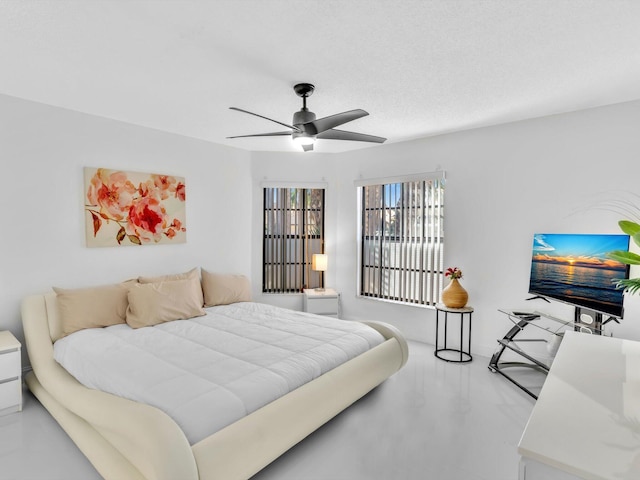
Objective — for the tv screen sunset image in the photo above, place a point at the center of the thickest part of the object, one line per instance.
(574, 268)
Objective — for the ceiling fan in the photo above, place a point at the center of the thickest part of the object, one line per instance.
(305, 128)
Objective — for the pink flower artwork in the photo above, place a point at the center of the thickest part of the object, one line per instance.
(131, 208)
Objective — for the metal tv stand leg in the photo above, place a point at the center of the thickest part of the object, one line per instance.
(509, 342)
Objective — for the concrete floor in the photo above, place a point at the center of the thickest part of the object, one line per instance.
(432, 420)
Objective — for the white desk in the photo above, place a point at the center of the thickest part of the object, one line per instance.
(586, 422)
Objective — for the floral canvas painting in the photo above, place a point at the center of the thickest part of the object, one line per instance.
(131, 208)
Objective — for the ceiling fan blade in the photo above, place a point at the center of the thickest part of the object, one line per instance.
(334, 134)
(266, 118)
(272, 134)
(307, 148)
(325, 123)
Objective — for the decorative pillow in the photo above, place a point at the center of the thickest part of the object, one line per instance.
(91, 307)
(191, 274)
(153, 303)
(223, 289)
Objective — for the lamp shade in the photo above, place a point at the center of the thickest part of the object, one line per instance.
(319, 262)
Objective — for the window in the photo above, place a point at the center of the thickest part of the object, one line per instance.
(293, 232)
(401, 239)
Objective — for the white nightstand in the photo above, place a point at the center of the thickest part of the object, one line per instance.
(10, 374)
(325, 302)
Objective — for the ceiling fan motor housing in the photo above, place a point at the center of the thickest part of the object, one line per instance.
(300, 118)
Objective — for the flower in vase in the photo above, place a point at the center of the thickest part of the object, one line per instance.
(454, 273)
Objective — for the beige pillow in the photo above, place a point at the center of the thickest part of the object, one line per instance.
(91, 307)
(223, 289)
(191, 274)
(154, 303)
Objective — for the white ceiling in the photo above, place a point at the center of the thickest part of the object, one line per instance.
(419, 67)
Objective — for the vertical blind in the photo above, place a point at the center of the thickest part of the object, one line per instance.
(401, 241)
(293, 232)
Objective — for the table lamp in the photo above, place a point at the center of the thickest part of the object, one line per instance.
(319, 264)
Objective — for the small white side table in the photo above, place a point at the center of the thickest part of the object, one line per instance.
(322, 302)
(463, 353)
(10, 374)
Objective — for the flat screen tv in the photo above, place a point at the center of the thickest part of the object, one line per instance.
(574, 269)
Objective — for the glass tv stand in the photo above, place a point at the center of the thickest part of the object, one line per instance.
(531, 352)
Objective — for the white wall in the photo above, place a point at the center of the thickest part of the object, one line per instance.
(43, 151)
(504, 183)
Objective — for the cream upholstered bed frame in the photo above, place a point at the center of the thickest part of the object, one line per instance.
(127, 439)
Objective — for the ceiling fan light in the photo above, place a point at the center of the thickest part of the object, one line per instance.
(304, 140)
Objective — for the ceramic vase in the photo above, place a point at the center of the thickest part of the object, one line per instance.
(454, 296)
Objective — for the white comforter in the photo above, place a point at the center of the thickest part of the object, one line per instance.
(210, 371)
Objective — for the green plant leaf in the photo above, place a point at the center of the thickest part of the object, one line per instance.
(636, 239)
(631, 285)
(628, 258)
(629, 227)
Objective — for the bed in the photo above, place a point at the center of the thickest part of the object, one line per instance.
(128, 439)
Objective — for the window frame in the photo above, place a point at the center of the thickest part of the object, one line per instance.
(279, 283)
(431, 246)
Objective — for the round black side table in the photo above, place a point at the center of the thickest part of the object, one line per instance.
(454, 355)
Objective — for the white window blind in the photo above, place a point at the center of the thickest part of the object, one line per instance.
(401, 238)
(293, 232)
